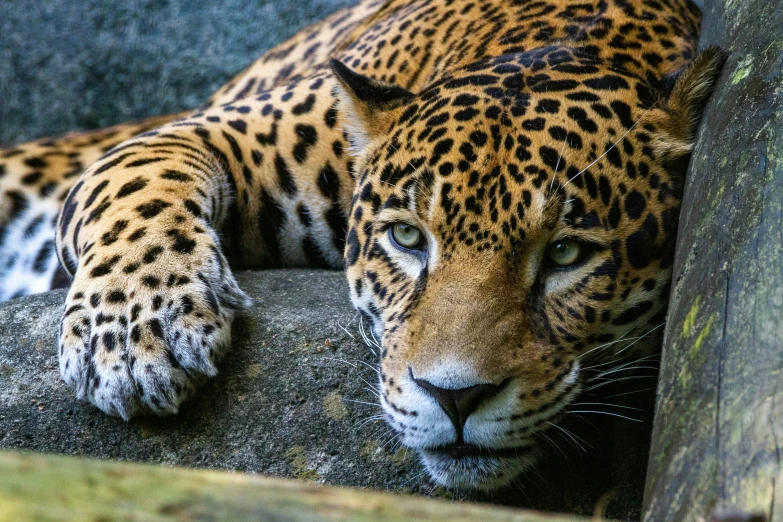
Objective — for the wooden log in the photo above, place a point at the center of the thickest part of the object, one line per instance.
(719, 418)
(48, 487)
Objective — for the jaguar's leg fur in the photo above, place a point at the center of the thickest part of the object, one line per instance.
(34, 181)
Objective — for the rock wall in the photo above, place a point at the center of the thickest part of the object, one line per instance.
(69, 65)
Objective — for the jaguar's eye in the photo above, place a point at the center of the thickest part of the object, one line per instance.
(407, 236)
(566, 252)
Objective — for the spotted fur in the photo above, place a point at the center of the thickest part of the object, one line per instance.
(495, 127)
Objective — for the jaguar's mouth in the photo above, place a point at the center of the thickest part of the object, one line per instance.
(461, 451)
(465, 466)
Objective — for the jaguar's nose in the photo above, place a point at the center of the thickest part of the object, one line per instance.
(459, 404)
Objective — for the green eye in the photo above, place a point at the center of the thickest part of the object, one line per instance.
(565, 252)
(407, 236)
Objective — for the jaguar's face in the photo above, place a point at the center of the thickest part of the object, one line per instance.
(506, 230)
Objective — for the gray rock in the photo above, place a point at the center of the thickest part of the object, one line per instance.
(286, 403)
(282, 404)
(68, 65)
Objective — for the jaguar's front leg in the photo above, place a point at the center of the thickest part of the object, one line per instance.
(146, 231)
(150, 309)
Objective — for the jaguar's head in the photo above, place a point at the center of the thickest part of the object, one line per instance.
(509, 223)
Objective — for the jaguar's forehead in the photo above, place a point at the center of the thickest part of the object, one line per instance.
(539, 81)
(517, 143)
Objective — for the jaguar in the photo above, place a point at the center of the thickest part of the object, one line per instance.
(499, 179)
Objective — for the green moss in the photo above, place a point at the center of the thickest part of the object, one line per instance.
(743, 70)
(334, 407)
(298, 461)
(702, 336)
(690, 318)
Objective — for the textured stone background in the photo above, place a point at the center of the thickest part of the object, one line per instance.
(282, 404)
(67, 65)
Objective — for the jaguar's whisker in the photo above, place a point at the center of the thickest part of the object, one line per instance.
(605, 413)
(369, 342)
(640, 338)
(375, 389)
(357, 361)
(629, 378)
(572, 437)
(557, 165)
(630, 393)
(391, 440)
(552, 443)
(347, 332)
(384, 434)
(396, 445)
(621, 138)
(368, 420)
(606, 404)
(414, 477)
(368, 345)
(618, 370)
(620, 360)
(625, 367)
(581, 417)
(374, 392)
(610, 343)
(359, 402)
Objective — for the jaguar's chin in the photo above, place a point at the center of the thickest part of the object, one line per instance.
(466, 466)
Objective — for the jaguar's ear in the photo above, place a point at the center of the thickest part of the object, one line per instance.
(685, 95)
(366, 106)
